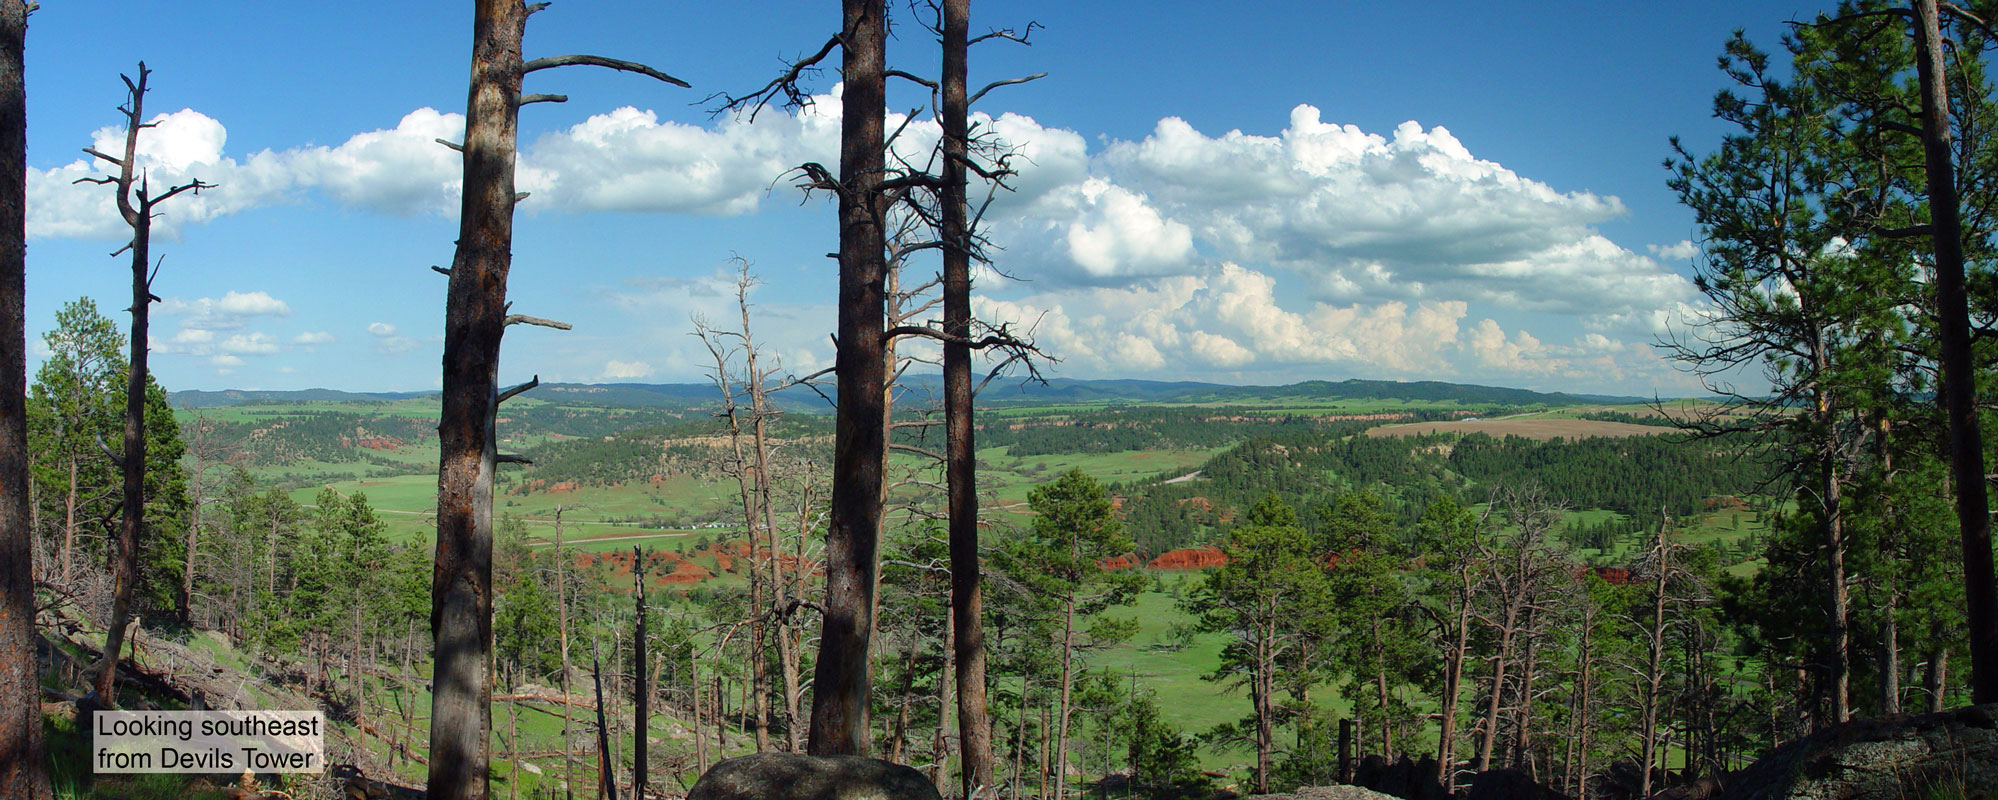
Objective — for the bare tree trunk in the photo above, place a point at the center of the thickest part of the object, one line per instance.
(1654, 674)
(1937, 680)
(1381, 692)
(1047, 742)
(940, 744)
(475, 310)
(1890, 644)
(841, 682)
(1067, 696)
(1453, 680)
(69, 518)
(974, 726)
(125, 568)
(1959, 378)
(1586, 710)
(700, 738)
(1835, 551)
(1020, 738)
(199, 452)
(606, 765)
(23, 762)
(1264, 706)
(898, 744)
(787, 655)
(1490, 733)
(562, 620)
(1523, 723)
(641, 697)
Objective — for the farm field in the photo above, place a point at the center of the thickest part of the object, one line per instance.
(1524, 427)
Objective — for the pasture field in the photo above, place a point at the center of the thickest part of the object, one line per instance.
(1526, 427)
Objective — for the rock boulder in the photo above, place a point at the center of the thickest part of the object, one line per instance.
(1949, 754)
(787, 776)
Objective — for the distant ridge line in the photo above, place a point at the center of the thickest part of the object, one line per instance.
(681, 395)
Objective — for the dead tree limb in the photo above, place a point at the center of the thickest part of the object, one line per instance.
(136, 204)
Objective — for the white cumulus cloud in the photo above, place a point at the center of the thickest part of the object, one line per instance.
(626, 370)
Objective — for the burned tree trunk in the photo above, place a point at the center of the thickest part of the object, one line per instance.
(475, 309)
(961, 467)
(23, 764)
(841, 681)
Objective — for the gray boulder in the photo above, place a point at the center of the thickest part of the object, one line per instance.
(1328, 793)
(1949, 754)
(787, 776)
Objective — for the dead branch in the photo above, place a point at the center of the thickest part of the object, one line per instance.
(600, 61)
(1007, 82)
(523, 319)
(785, 84)
(515, 391)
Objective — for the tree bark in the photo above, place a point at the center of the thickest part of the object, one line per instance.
(23, 762)
(1959, 379)
(961, 470)
(841, 681)
(475, 311)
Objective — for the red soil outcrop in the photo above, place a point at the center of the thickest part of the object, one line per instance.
(1190, 558)
(1126, 561)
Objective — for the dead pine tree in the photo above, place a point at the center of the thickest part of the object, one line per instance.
(136, 204)
(23, 764)
(476, 316)
(751, 478)
(641, 707)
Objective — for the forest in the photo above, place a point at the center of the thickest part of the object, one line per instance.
(925, 570)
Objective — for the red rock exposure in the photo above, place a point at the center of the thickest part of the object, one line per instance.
(565, 486)
(1615, 576)
(1126, 561)
(686, 572)
(1726, 502)
(1191, 558)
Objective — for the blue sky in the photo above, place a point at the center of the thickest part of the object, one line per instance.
(1239, 192)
